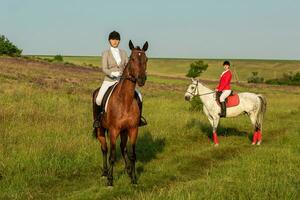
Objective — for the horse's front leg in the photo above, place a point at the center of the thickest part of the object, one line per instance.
(124, 138)
(112, 155)
(214, 122)
(102, 140)
(215, 127)
(132, 133)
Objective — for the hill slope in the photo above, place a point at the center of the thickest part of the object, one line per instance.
(47, 151)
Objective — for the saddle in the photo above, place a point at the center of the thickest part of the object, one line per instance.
(108, 94)
(232, 100)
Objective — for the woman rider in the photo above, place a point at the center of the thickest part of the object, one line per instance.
(224, 89)
(114, 61)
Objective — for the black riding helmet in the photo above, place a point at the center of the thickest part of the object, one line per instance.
(114, 36)
(226, 62)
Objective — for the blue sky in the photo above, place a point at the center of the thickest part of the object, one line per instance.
(191, 29)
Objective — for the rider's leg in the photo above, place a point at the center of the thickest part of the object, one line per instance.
(223, 97)
(105, 85)
(143, 121)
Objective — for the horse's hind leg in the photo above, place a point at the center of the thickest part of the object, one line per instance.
(256, 135)
(102, 140)
(131, 153)
(124, 138)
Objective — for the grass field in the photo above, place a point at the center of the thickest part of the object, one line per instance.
(47, 150)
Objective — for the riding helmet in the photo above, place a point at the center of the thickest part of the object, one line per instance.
(114, 36)
(226, 62)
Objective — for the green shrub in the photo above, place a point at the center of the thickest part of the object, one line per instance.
(287, 79)
(69, 63)
(8, 48)
(58, 58)
(196, 68)
(48, 59)
(196, 104)
(255, 78)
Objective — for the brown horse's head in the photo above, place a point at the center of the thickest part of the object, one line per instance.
(137, 64)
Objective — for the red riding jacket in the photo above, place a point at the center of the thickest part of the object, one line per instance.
(225, 79)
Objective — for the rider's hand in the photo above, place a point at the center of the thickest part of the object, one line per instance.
(115, 74)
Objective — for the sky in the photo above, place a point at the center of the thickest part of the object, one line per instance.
(240, 29)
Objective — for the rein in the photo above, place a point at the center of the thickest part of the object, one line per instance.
(199, 95)
(130, 78)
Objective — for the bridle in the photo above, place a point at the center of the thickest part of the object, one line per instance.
(195, 92)
(130, 77)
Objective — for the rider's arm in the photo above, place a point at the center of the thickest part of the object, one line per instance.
(105, 67)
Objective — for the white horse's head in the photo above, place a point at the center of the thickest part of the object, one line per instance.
(192, 90)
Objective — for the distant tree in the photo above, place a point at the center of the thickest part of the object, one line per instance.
(287, 79)
(255, 78)
(58, 58)
(8, 48)
(196, 68)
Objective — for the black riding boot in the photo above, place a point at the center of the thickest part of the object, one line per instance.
(223, 109)
(143, 121)
(98, 114)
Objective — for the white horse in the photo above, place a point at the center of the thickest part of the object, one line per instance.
(254, 105)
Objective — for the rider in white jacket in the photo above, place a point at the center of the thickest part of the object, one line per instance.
(114, 61)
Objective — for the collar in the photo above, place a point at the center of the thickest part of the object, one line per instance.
(224, 72)
(114, 49)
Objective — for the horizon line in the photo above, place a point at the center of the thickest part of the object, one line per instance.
(177, 58)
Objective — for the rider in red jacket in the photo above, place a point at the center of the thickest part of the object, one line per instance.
(224, 89)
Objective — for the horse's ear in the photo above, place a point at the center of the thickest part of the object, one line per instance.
(145, 47)
(131, 46)
(193, 80)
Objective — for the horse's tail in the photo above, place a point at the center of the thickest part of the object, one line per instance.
(261, 111)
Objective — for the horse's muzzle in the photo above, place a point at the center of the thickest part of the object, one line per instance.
(187, 98)
(141, 80)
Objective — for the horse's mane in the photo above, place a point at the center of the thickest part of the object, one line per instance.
(203, 84)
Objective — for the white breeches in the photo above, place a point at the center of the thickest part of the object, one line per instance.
(105, 85)
(224, 95)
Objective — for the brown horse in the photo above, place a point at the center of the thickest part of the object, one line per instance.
(122, 116)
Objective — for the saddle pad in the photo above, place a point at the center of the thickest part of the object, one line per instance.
(232, 100)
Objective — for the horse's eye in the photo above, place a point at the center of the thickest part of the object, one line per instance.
(192, 87)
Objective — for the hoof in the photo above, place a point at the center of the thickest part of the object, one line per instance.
(216, 145)
(104, 173)
(109, 183)
(110, 187)
(253, 143)
(128, 171)
(258, 143)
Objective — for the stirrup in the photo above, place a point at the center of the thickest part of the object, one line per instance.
(97, 120)
(222, 115)
(143, 121)
(96, 123)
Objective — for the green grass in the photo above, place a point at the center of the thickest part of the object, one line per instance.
(47, 150)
